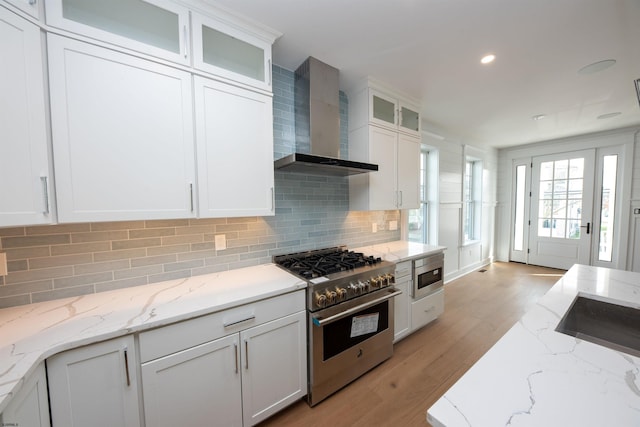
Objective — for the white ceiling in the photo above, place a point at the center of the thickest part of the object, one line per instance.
(431, 50)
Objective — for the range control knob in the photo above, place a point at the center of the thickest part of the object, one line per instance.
(365, 286)
(331, 296)
(391, 279)
(341, 294)
(321, 300)
(375, 282)
(354, 288)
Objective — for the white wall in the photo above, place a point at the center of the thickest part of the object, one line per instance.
(628, 139)
(461, 259)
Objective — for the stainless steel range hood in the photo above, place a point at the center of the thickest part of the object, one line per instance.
(317, 115)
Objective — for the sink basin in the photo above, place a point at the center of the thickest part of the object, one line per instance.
(611, 325)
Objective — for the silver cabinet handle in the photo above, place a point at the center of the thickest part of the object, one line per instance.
(235, 347)
(184, 35)
(401, 198)
(246, 354)
(191, 195)
(45, 194)
(226, 325)
(126, 366)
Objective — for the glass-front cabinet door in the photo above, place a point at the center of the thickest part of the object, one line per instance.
(409, 119)
(382, 109)
(224, 50)
(154, 27)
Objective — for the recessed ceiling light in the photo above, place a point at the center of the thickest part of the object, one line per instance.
(609, 115)
(538, 117)
(597, 66)
(488, 59)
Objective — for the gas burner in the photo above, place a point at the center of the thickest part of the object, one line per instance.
(323, 262)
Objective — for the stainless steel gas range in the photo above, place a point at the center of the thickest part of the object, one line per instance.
(350, 315)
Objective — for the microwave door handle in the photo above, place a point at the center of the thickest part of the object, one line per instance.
(321, 322)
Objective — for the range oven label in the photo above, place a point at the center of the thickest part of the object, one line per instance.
(365, 324)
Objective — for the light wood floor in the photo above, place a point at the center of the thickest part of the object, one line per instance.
(479, 309)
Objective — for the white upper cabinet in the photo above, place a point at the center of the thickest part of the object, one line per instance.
(384, 130)
(32, 7)
(234, 138)
(226, 49)
(122, 131)
(25, 178)
(155, 27)
(393, 112)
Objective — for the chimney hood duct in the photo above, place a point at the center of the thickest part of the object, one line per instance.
(317, 114)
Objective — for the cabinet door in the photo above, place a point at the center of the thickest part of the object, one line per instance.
(24, 160)
(402, 302)
(227, 51)
(29, 6)
(155, 27)
(274, 366)
(383, 109)
(30, 406)
(409, 119)
(408, 172)
(122, 135)
(95, 385)
(427, 309)
(382, 184)
(235, 150)
(196, 387)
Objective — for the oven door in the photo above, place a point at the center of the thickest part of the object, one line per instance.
(427, 275)
(347, 340)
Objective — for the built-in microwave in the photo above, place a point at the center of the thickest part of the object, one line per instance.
(427, 275)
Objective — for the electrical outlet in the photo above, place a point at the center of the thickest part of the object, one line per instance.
(3, 264)
(393, 225)
(221, 242)
(374, 227)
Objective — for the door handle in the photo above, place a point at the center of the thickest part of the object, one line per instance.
(588, 227)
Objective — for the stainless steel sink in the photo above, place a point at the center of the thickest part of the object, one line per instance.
(611, 325)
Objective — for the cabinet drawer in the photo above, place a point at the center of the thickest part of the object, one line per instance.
(189, 333)
(403, 269)
(427, 309)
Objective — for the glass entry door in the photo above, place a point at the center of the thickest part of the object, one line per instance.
(561, 226)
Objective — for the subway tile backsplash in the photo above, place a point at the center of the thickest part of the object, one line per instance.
(57, 261)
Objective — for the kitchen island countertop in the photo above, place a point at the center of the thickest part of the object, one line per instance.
(399, 250)
(535, 376)
(31, 333)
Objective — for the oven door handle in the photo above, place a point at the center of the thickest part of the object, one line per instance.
(321, 322)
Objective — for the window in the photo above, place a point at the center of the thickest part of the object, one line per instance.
(607, 208)
(421, 222)
(472, 200)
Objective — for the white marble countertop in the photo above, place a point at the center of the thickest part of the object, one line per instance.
(535, 376)
(399, 250)
(31, 333)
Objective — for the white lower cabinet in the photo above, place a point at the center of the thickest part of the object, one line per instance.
(274, 362)
(402, 302)
(199, 386)
(95, 385)
(427, 309)
(30, 406)
(244, 365)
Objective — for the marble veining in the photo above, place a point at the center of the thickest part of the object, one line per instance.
(535, 376)
(31, 333)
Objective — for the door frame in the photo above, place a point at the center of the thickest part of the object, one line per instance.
(623, 140)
